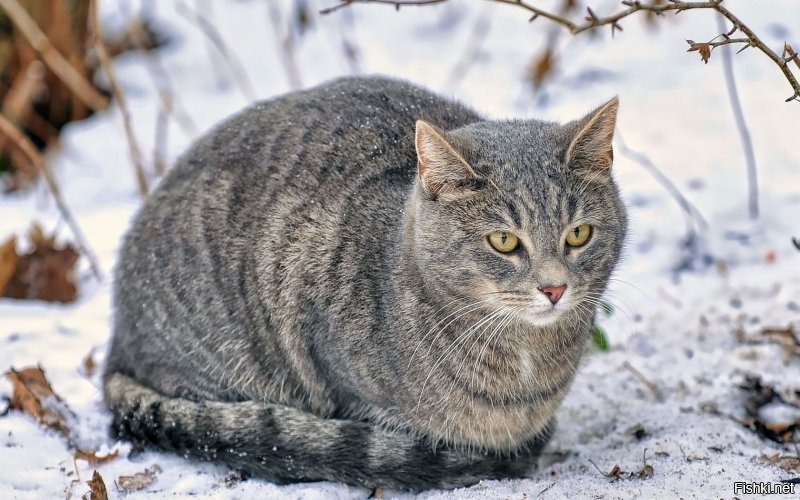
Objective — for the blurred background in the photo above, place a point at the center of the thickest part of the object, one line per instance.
(97, 102)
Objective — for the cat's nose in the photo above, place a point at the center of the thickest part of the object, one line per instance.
(553, 292)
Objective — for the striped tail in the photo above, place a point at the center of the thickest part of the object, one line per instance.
(286, 445)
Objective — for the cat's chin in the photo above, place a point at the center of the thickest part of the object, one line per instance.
(542, 318)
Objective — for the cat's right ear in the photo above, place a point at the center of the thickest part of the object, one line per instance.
(443, 172)
(590, 149)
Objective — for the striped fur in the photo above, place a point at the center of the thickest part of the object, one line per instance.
(292, 302)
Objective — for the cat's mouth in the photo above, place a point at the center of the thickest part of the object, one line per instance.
(541, 316)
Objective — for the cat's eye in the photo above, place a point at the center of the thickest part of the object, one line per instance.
(503, 241)
(579, 235)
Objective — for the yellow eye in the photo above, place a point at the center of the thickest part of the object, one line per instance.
(503, 241)
(579, 235)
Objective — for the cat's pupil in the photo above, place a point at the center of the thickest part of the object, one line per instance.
(504, 237)
(577, 231)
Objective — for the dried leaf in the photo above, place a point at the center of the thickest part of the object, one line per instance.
(33, 395)
(93, 459)
(97, 488)
(88, 365)
(45, 273)
(542, 68)
(138, 481)
(646, 472)
(785, 462)
(8, 262)
(704, 49)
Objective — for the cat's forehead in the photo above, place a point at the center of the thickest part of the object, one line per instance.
(514, 150)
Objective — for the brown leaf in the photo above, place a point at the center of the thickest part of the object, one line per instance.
(8, 262)
(93, 459)
(646, 472)
(542, 68)
(97, 488)
(704, 49)
(88, 365)
(45, 273)
(33, 395)
(785, 462)
(138, 481)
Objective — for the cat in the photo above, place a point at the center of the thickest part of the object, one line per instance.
(365, 282)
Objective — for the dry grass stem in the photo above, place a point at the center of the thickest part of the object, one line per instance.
(10, 134)
(163, 83)
(210, 31)
(647, 382)
(160, 148)
(470, 54)
(82, 88)
(741, 126)
(286, 47)
(108, 68)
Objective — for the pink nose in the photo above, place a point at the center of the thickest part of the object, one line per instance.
(553, 293)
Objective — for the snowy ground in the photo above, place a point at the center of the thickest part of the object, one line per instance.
(678, 332)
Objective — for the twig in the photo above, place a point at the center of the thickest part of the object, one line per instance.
(17, 138)
(285, 47)
(593, 21)
(741, 126)
(116, 90)
(349, 44)
(688, 208)
(82, 89)
(234, 65)
(163, 84)
(470, 53)
(650, 385)
(160, 147)
(547, 488)
(214, 56)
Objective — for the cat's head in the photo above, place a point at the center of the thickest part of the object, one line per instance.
(522, 215)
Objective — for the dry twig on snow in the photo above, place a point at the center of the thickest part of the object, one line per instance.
(105, 61)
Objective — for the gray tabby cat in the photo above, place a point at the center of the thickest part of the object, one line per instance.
(323, 290)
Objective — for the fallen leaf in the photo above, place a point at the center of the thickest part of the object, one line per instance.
(97, 488)
(45, 273)
(33, 395)
(88, 365)
(8, 262)
(785, 462)
(93, 459)
(138, 481)
(646, 472)
(542, 68)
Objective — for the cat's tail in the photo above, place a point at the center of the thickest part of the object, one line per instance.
(283, 444)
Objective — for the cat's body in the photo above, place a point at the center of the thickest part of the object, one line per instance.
(298, 300)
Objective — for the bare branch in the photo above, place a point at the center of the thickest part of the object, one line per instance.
(108, 68)
(234, 65)
(11, 134)
(593, 21)
(285, 46)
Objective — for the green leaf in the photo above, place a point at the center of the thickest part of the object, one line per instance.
(599, 338)
(607, 308)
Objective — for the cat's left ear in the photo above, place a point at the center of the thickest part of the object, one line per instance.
(590, 148)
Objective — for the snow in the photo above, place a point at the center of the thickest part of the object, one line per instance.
(677, 330)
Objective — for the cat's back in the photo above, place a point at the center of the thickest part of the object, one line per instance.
(273, 188)
(344, 125)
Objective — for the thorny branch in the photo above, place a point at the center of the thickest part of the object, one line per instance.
(593, 21)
